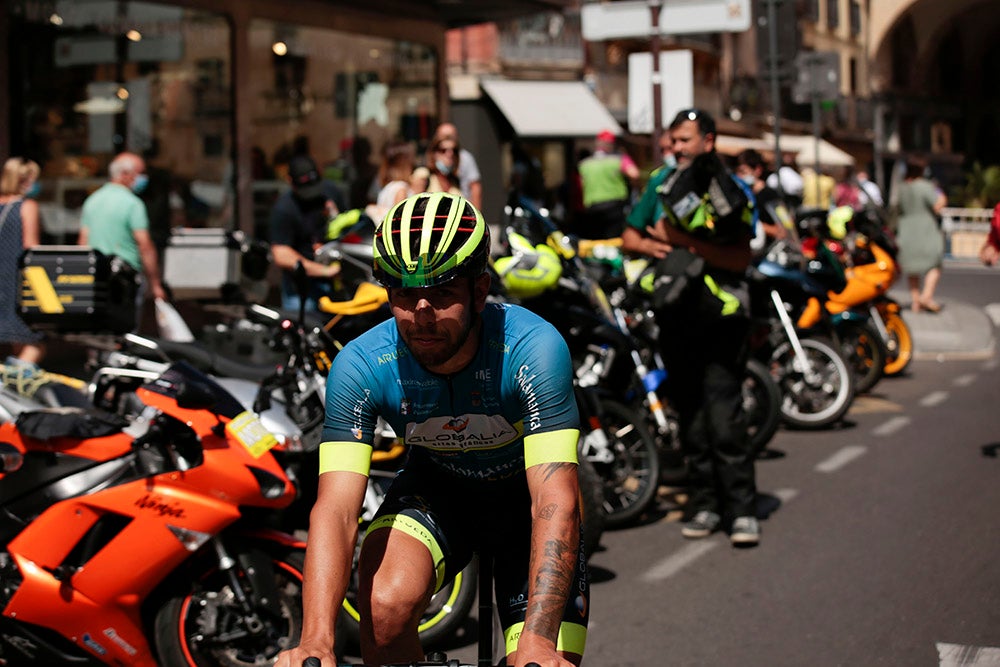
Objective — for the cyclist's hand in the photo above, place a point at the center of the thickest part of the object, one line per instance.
(539, 653)
(294, 657)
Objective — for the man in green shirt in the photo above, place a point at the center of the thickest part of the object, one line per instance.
(115, 221)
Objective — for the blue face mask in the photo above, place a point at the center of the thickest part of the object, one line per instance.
(670, 160)
(140, 183)
(749, 179)
(442, 167)
(33, 191)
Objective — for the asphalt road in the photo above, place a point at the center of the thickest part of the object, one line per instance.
(880, 546)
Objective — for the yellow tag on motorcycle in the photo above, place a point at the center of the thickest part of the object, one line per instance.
(250, 432)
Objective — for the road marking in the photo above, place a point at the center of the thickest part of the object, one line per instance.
(934, 398)
(964, 380)
(991, 365)
(841, 458)
(873, 404)
(956, 655)
(891, 426)
(784, 495)
(678, 560)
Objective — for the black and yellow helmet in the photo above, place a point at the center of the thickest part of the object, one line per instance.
(429, 239)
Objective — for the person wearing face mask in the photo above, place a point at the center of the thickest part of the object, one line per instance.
(775, 218)
(19, 229)
(441, 167)
(114, 221)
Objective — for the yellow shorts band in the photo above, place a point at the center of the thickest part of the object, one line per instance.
(418, 531)
(572, 637)
(345, 457)
(551, 447)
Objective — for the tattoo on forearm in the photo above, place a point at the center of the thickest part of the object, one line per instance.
(553, 468)
(548, 511)
(553, 578)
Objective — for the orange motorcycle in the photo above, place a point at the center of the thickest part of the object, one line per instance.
(881, 343)
(141, 541)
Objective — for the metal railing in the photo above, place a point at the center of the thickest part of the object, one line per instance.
(965, 229)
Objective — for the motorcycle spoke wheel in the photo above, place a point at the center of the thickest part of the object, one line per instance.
(208, 627)
(630, 480)
(819, 399)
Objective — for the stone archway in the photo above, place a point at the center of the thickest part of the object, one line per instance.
(934, 66)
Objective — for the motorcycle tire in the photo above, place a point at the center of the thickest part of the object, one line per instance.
(592, 517)
(900, 344)
(864, 351)
(821, 402)
(201, 627)
(629, 481)
(447, 611)
(762, 404)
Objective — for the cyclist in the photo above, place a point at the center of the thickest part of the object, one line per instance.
(482, 394)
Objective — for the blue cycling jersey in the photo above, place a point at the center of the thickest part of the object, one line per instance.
(472, 423)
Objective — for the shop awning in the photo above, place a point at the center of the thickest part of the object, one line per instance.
(730, 145)
(550, 109)
(804, 146)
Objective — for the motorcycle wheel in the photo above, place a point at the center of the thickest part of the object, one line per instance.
(592, 517)
(630, 479)
(206, 625)
(447, 611)
(825, 399)
(864, 351)
(900, 344)
(762, 404)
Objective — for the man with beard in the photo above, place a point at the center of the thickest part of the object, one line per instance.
(298, 227)
(483, 396)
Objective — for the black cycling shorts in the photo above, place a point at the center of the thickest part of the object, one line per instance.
(457, 517)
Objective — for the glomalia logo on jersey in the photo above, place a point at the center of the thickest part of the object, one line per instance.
(465, 432)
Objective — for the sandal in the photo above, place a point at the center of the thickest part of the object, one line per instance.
(931, 306)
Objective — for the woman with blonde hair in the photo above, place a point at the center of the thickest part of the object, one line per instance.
(19, 229)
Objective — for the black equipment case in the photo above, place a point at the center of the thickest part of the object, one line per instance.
(76, 289)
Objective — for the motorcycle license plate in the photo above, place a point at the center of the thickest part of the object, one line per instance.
(250, 433)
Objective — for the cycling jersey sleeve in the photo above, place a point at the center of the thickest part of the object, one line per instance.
(349, 429)
(543, 382)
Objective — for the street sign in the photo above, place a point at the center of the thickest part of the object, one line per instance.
(818, 75)
(632, 18)
(676, 88)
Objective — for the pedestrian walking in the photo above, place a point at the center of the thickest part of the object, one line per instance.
(919, 235)
(607, 178)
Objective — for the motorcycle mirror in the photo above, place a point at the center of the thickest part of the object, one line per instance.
(195, 396)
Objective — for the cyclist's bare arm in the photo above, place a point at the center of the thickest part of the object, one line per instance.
(555, 536)
(333, 531)
(634, 241)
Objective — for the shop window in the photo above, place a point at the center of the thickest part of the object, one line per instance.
(90, 79)
(341, 97)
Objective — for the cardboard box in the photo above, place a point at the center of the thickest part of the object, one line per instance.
(76, 289)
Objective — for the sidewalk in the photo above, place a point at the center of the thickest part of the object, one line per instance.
(960, 331)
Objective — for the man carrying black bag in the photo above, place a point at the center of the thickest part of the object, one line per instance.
(698, 221)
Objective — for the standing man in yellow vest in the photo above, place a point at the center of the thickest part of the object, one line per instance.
(607, 178)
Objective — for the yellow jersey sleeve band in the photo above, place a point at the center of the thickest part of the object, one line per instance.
(551, 447)
(572, 637)
(417, 530)
(345, 457)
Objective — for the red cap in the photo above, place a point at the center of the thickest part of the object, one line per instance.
(606, 136)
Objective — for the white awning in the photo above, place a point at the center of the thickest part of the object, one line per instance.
(805, 148)
(538, 109)
(731, 145)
